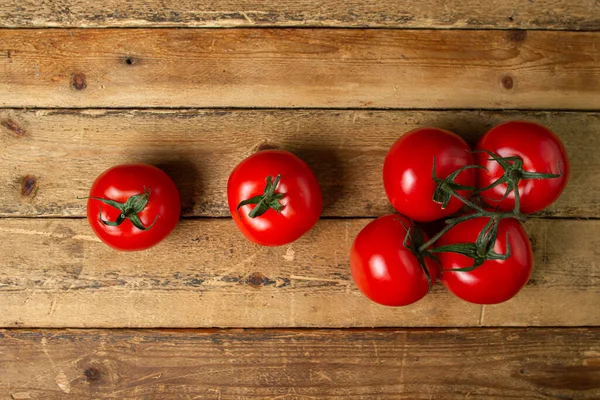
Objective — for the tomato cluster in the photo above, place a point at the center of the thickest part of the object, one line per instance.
(483, 254)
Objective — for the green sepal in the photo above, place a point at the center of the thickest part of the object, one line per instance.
(269, 199)
(113, 203)
(252, 200)
(513, 173)
(128, 210)
(136, 203)
(415, 234)
(446, 187)
(118, 222)
(480, 251)
(137, 222)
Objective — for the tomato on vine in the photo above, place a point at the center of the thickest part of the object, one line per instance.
(274, 197)
(386, 265)
(133, 206)
(485, 255)
(525, 157)
(485, 261)
(417, 157)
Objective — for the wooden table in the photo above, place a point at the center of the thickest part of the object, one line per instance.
(85, 86)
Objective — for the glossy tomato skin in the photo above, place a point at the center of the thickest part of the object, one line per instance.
(123, 181)
(540, 150)
(383, 269)
(302, 197)
(407, 172)
(495, 281)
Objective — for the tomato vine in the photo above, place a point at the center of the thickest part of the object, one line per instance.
(482, 249)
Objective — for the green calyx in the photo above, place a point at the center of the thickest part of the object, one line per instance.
(129, 210)
(269, 199)
(417, 239)
(447, 187)
(513, 174)
(483, 248)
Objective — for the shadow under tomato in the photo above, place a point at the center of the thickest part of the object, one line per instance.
(328, 168)
(468, 125)
(187, 178)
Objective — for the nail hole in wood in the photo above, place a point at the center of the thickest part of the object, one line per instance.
(28, 186)
(130, 60)
(508, 82)
(78, 81)
(92, 374)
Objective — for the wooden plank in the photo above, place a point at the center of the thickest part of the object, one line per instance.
(495, 14)
(320, 68)
(312, 364)
(54, 273)
(50, 157)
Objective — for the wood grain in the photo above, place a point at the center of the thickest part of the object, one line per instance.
(295, 364)
(51, 157)
(320, 68)
(55, 273)
(494, 14)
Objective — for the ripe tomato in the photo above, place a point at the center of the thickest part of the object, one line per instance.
(540, 151)
(383, 268)
(407, 172)
(274, 197)
(494, 281)
(133, 206)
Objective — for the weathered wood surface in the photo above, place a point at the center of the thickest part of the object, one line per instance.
(317, 364)
(322, 68)
(50, 157)
(55, 273)
(494, 14)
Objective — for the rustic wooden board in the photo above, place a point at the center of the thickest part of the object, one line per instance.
(321, 68)
(101, 97)
(50, 157)
(295, 364)
(502, 14)
(55, 273)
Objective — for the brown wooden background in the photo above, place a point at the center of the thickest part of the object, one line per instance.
(87, 85)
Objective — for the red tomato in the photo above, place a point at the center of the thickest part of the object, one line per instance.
(494, 281)
(282, 212)
(407, 172)
(384, 269)
(540, 151)
(133, 206)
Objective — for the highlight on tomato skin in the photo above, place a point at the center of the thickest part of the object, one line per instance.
(407, 172)
(133, 206)
(274, 197)
(384, 269)
(545, 166)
